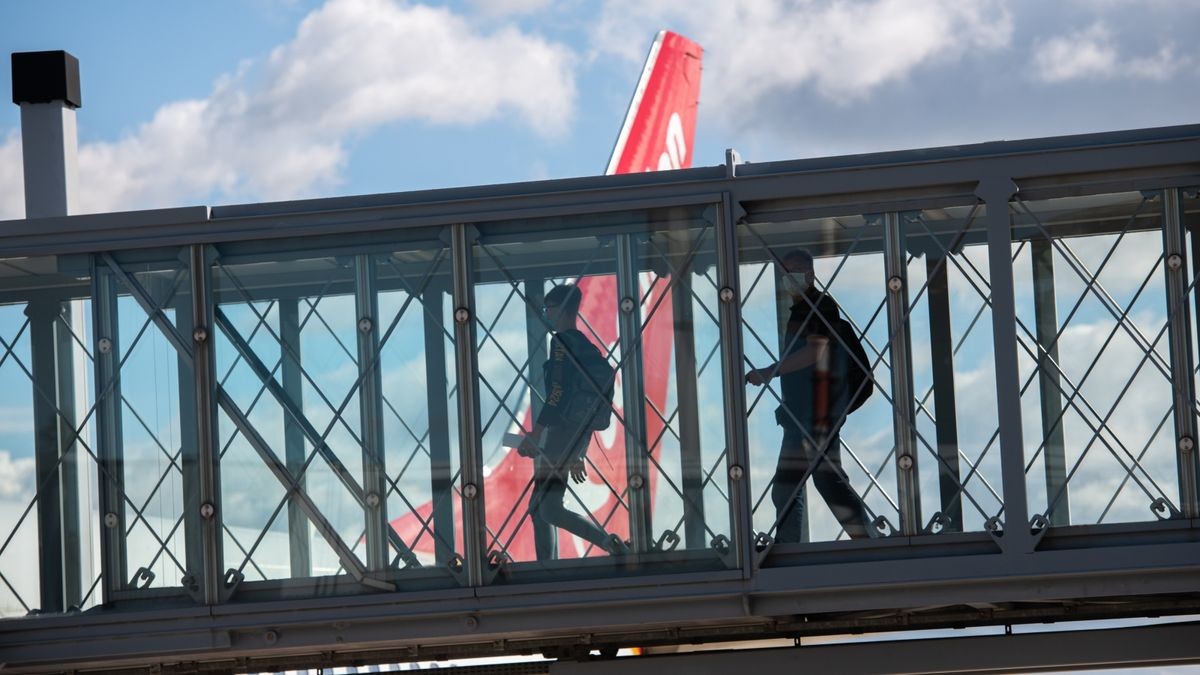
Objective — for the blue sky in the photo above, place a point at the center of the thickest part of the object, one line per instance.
(217, 102)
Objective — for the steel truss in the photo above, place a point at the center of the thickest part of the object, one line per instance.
(986, 556)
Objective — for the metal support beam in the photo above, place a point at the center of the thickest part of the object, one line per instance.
(633, 387)
(536, 331)
(299, 545)
(370, 406)
(467, 369)
(54, 460)
(1015, 537)
(1182, 369)
(189, 449)
(687, 397)
(76, 556)
(783, 314)
(207, 456)
(941, 351)
(441, 470)
(1045, 313)
(903, 417)
(737, 445)
(1143, 646)
(109, 451)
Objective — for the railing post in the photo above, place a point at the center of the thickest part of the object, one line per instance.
(633, 383)
(945, 405)
(189, 446)
(783, 314)
(1182, 369)
(53, 439)
(299, 547)
(687, 396)
(1015, 537)
(1049, 383)
(907, 478)
(467, 369)
(737, 444)
(207, 469)
(370, 407)
(441, 474)
(109, 451)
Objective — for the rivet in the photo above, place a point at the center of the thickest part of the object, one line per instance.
(200, 334)
(462, 315)
(207, 510)
(726, 294)
(895, 284)
(1174, 261)
(905, 462)
(104, 345)
(636, 481)
(627, 305)
(736, 472)
(470, 491)
(365, 324)
(470, 623)
(372, 499)
(110, 520)
(270, 637)
(1186, 444)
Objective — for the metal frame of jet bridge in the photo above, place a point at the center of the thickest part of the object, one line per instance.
(1019, 567)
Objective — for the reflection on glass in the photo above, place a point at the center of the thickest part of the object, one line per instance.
(829, 327)
(1095, 358)
(565, 307)
(337, 448)
(48, 513)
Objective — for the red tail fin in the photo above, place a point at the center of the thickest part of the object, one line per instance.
(657, 134)
(661, 122)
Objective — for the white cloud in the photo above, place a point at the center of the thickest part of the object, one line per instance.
(1092, 54)
(844, 50)
(16, 477)
(277, 130)
(509, 7)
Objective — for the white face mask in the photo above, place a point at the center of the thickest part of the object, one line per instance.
(795, 283)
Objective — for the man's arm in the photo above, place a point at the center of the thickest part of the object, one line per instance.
(802, 358)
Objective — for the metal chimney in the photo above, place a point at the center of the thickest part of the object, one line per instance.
(46, 86)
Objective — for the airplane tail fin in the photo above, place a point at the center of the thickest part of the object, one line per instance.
(661, 122)
(657, 134)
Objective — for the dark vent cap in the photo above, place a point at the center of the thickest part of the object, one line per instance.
(43, 77)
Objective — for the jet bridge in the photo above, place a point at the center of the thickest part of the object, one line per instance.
(270, 436)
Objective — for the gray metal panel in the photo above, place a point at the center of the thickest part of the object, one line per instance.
(1015, 537)
(1162, 153)
(1163, 645)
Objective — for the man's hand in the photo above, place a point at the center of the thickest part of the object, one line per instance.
(527, 448)
(758, 376)
(578, 471)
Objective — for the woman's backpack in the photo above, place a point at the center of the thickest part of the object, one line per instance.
(589, 400)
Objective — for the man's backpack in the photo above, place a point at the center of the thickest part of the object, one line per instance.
(589, 403)
(859, 383)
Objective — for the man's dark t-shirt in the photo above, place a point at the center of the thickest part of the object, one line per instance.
(814, 314)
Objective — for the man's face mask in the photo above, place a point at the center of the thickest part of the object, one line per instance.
(795, 283)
